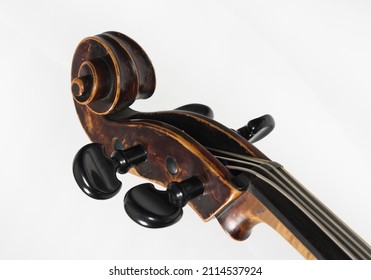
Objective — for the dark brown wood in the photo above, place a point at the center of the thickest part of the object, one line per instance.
(162, 141)
(106, 73)
(104, 113)
(109, 72)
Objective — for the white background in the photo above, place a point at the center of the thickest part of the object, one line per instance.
(307, 63)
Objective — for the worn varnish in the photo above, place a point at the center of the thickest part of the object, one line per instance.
(105, 116)
(109, 72)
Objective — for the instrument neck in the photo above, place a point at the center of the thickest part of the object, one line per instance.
(278, 199)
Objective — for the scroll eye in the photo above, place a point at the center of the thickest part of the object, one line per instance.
(109, 72)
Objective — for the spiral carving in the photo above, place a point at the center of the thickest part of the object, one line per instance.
(109, 72)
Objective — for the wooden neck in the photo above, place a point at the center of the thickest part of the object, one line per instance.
(277, 199)
(247, 212)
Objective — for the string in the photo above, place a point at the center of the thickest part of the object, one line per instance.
(356, 239)
(297, 194)
(301, 197)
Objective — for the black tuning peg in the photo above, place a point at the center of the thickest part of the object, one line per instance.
(257, 129)
(95, 172)
(197, 108)
(153, 208)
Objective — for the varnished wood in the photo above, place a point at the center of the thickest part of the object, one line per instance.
(239, 218)
(109, 72)
(177, 134)
(119, 70)
(191, 158)
(162, 141)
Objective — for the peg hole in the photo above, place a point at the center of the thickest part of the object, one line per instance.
(117, 144)
(171, 165)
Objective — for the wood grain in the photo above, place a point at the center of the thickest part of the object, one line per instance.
(109, 72)
(239, 218)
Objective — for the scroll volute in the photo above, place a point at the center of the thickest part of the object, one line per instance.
(109, 72)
